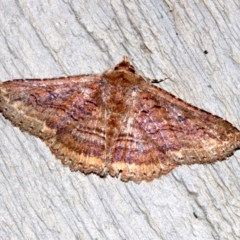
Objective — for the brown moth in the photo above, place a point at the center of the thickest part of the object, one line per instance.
(116, 123)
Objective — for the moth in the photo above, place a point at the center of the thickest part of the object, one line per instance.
(116, 123)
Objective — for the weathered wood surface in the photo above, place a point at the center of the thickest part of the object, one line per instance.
(41, 199)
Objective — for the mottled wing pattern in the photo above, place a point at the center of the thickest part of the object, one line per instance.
(134, 154)
(67, 113)
(184, 133)
(116, 123)
(158, 132)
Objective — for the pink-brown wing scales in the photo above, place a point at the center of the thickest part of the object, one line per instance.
(159, 132)
(67, 113)
(132, 153)
(185, 133)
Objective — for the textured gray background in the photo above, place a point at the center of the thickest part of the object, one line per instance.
(41, 199)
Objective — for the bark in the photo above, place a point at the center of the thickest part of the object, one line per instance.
(195, 43)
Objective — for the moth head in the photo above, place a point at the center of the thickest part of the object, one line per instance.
(125, 65)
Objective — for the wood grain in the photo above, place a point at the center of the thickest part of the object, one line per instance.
(40, 199)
